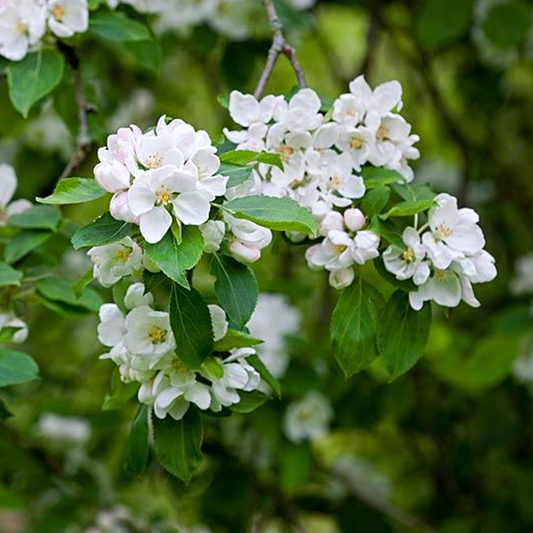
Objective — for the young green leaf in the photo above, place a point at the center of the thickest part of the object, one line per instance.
(191, 324)
(60, 290)
(9, 276)
(235, 339)
(281, 214)
(235, 287)
(32, 78)
(37, 217)
(16, 368)
(118, 27)
(375, 200)
(237, 174)
(104, 230)
(406, 209)
(24, 243)
(138, 443)
(73, 191)
(378, 177)
(175, 259)
(178, 444)
(354, 326)
(79, 285)
(245, 157)
(402, 334)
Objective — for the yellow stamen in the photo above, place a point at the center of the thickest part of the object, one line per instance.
(123, 254)
(382, 133)
(163, 197)
(58, 12)
(444, 231)
(20, 28)
(153, 161)
(339, 248)
(285, 152)
(408, 256)
(439, 275)
(157, 335)
(336, 181)
(356, 143)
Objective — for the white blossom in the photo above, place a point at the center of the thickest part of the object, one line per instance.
(17, 327)
(308, 418)
(67, 17)
(8, 186)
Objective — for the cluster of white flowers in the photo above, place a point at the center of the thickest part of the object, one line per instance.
(322, 157)
(308, 418)
(444, 257)
(144, 349)
(274, 319)
(119, 519)
(166, 175)
(23, 23)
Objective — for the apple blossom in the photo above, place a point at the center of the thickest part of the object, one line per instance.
(67, 17)
(8, 186)
(308, 418)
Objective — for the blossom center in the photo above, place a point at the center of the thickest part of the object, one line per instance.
(382, 133)
(59, 13)
(163, 197)
(356, 143)
(285, 152)
(178, 366)
(157, 335)
(336, 181)
(123, 255)
(20, 28)
(339, 248)
(153, 161)
(409, 255)
(439, 275)
(444, 231)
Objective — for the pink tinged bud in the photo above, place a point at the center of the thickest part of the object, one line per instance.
(354, 219)
(120, 209)
(244, 252)
(340, 279)
(112, 177)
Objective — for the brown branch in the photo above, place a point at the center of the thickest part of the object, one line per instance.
(279, 46)
(83, 146)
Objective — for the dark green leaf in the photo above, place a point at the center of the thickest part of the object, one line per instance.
(235, 339)
(175, 259)
(16, 368)
(281, 214)
(250, 401)
(37, 217)
(118, 27)
(191, 323)
(235, 287)
(24, 243)
(138, 444)
(60, 290)
(178, 444)
(378, 177)
(406, 209)
(354, 326)
(375, 200)
(104, 230)
(34, 77)
(508, 24)
(121, 393)
(4, 412)
(74, 191)
(402, 334)
(265, 374)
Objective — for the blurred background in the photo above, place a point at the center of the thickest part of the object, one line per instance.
(447, 447)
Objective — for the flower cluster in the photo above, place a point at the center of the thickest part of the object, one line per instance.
(444, 258)
(143, 347)
(23, 23)
(165, 176)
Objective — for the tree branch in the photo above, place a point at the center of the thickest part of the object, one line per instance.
(279, 46)
(83, 146)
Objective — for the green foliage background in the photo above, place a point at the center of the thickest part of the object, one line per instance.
(453, 436)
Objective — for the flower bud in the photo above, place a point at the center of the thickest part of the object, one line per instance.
(213, 232)
(333, 220)
(112, 176)
(120, 209)
(354, 219)
(244, 252)
(340, 279)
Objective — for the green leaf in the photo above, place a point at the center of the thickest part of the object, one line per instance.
(79, 285)
(153, 280)
(235, 287)
(508, 24)
(375, 200)
(245, 157)
(118, 27)
(387, 231)
(4, 414)
(7, 333)
(60, 290)
(250, 401)
(175, 259)
(406, 285)
(37, 217)
(33, 78)
(24, 243)
(9, 276)
(235, 339)
(191, 324)
(354, 326)
(378, 177)
(406, 209)
(138, 443)
(121, 393)
(74, 191)
(265, 374)
(178, 444)
(281, 214)
(104, 230)
(442, 22)
(411, 193)
(237, 174)
(16, 368)
(402, 334)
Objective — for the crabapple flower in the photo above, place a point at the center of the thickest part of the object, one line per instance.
(64, 430)
(8, 186)
(112, 262)
(67, 17)
(22, 25)
(249, 239)
(382, 100)
(308, 418)
(17, 330)
(213, 232)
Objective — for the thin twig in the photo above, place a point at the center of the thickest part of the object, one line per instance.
(279, 46)
(83, 146)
